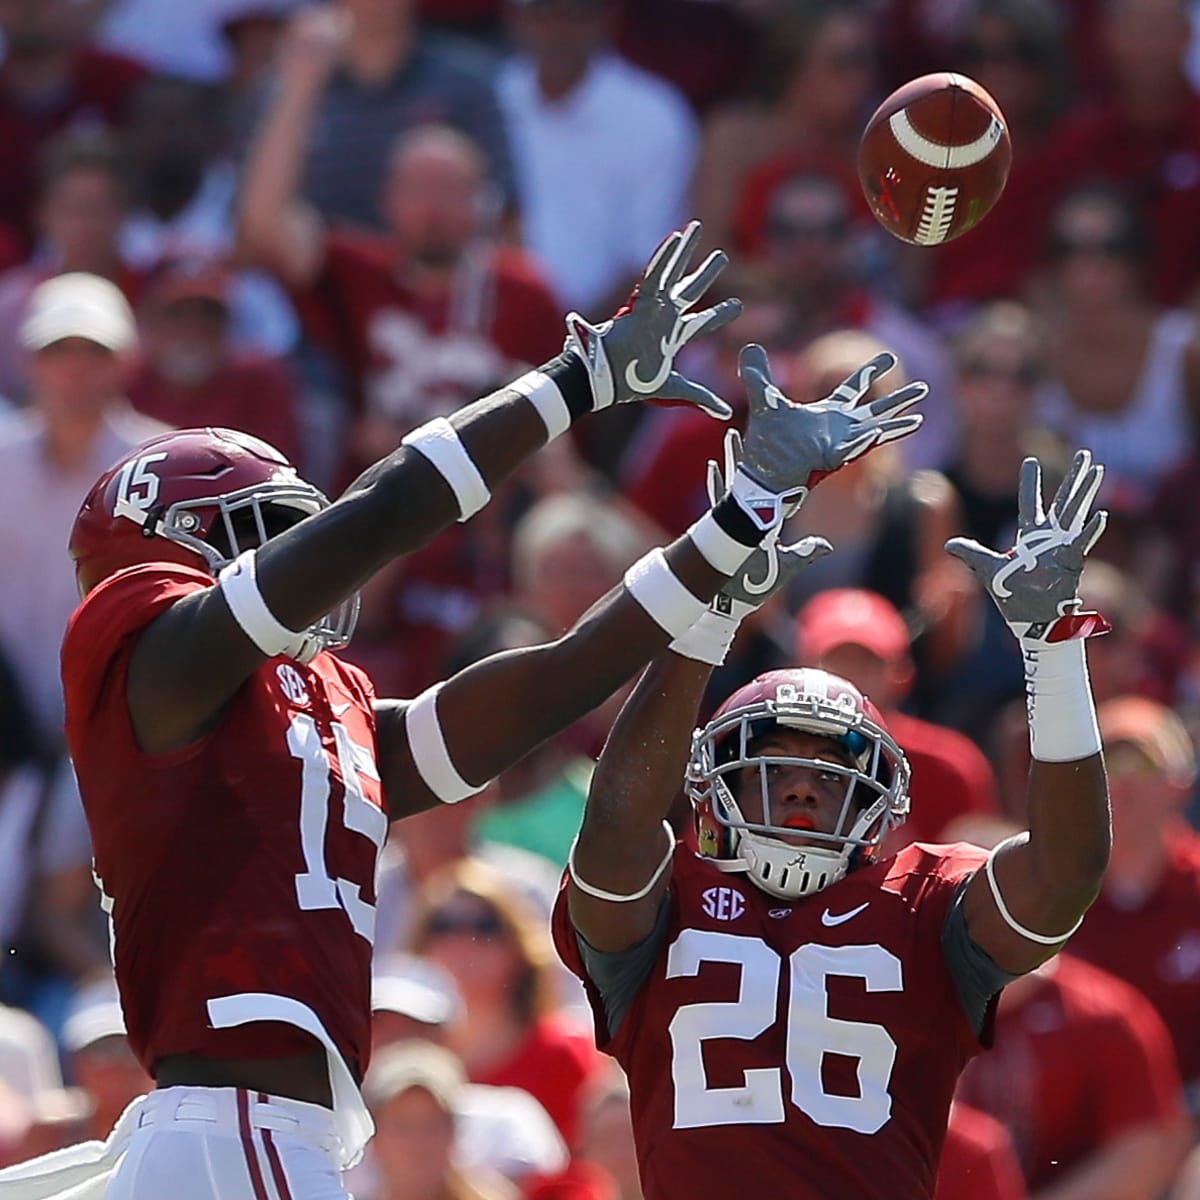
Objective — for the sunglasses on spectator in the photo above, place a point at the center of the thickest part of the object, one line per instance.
(481, 925)
(1023, 374)
(1107, 247)
(782, 228)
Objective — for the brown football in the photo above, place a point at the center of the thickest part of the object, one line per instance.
(934, 158)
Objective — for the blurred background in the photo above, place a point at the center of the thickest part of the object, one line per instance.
(328, 224)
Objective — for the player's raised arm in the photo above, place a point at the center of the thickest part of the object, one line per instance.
(1037, 887)
(194, 657)
(490, 715)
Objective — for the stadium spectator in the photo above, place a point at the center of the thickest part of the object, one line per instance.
(1083, 1077)
(809, 253)
(1124, 373)
(598, 144)
(477, 926)
(374, 74)
(79, 333)
(185, 184)
(413, 1090)
(606, 1133)
(859, 636)
(101, 1061)
(1017, 49)
(419, 321)
(50, 80)
(190, 374)
(83, 200)
(250, 31)
(818, 86)
(978, 1159)
(1144, 135)
(1142, 927)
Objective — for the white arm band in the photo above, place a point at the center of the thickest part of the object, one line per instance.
(652, 583)
(429, 751)
(719, 549)
(542, 392)
(1010, 920)
(708, 641)
(439, 442)
(239, 585)
(616, 897)
(1062, 713)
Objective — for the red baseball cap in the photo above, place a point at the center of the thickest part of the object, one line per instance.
(850, 617)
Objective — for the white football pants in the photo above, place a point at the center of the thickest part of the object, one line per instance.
(194, 1143)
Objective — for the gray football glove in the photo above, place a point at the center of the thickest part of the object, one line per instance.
(631, 356)
(1035, 583)
(789, 448)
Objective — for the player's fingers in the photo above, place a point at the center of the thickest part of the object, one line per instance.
(806, 550)
(980, 559)
(1092, 531)
(733, 453)
(898, 427)
(710, 320)
(678, 387)
(652, 276)
(680, 257)
(894, 403)
(848, 451)
(714, 485)
(855, 385)
(693, 286)
(1070, 484)
(1079, 504)
(1029, 495)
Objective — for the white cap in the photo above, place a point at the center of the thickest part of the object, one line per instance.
(415, 1064)
(78, 305)
(29, 1066)
(416, 988)
(92, 1022)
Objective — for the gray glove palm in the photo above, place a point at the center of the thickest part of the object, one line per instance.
(1034, 585)
(631, 356)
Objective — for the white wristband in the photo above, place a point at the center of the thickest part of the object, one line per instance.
(429, 752)
(1011, 921)
(721, 551)
(439, 442)
(542, 392)
(617, 897)
(239, 585)
(709, 639)
(652, 583)
(1062, 713)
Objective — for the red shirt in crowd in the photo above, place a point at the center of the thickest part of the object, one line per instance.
(408, 359)
(252, 393)
(978, 1159)
(1155, 946)
(99, 92)
(1081, 1059)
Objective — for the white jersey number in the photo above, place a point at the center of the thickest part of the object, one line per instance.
(811, 1033)
(314, 887)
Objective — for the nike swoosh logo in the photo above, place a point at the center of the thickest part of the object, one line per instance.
(828, 919)
(338, 709)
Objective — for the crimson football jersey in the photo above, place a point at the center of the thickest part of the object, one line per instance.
(806, 1049)
(1155, 946)
(242, 863)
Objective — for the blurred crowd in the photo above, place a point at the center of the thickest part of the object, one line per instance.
(325, 226)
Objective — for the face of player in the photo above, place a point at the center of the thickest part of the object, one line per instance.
(434, 204)
(413, 1139)
(804, 798)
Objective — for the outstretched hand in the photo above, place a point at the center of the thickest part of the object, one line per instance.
(631, 356)
(1035, 584)
(791, 447)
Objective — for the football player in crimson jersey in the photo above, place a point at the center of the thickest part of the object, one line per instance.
(783, 993)
(238, 778)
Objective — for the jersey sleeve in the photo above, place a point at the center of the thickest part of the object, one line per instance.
(108, 621)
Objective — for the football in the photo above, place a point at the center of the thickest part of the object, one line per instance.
(934, 158)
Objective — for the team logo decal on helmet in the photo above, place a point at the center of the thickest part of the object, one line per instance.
(875, 770)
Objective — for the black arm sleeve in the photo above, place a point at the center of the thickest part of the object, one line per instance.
(975, 975)
(618, 974)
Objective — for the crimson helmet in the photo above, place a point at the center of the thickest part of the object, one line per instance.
(815, 702)
(197, 497)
